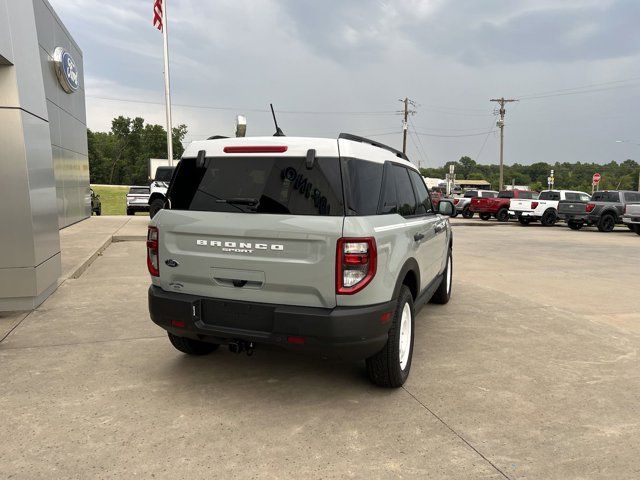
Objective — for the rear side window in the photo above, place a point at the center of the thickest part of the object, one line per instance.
(631, 197)
(549, 196)
(488, 194)
(397, 193)
(506, 194)
(577, 197)
(268, 185)
(364, 182)
(471, 194)
(163, 174)
(606, 197)
(422, 194)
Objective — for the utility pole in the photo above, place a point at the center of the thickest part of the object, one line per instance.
(500, 124)
(405, 121)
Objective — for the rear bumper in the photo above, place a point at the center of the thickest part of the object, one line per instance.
(578, 217)
(523, 213)
(629, 220)
(352, 333)
(138, 207)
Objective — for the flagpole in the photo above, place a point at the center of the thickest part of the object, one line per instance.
(167, 84)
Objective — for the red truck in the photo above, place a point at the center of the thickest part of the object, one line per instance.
(497, 207)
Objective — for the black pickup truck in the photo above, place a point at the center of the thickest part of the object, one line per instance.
(604, 210)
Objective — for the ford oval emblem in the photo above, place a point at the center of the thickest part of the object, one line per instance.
(66, 70)
(171, 263)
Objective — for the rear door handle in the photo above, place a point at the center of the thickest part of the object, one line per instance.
(418, 236)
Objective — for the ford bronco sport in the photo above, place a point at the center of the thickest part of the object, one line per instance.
(314, 245)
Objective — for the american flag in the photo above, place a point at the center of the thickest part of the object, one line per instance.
(157, 14)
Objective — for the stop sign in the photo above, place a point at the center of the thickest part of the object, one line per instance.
(596, 178)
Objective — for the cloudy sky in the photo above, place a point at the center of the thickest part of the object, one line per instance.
(341, 65)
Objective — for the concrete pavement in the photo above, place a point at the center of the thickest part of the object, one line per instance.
(531, 371)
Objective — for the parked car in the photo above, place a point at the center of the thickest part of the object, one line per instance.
(631, 217)
(138, 199)
(498, 207)
(462, 203)
(604, 210)
(545, 207)
(96, 203)
(314, 245)
(159, 186)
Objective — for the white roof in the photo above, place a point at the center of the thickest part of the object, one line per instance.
(296, 147)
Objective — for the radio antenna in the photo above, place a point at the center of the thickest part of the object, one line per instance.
(279, 132)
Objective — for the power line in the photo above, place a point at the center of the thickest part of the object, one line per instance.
(453, 136)
(549, 92)
(420, 141)
(254, 110)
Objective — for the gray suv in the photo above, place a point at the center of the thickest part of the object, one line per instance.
(314, 245)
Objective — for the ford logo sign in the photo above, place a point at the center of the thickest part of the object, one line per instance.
(66, 70)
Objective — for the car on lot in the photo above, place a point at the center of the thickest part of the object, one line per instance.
(316, 245)
(631, 217)
(545, 207)
(497, 207)
(462, 203)
(96, 203)
(138, 199)
(604, 210)
(158, 189)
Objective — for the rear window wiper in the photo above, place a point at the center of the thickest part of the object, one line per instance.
(239, 201)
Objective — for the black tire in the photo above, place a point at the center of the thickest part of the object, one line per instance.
(524, 220)
(574, 225)
(606, 223)
(443, 293)
(466, 213)
(99, 211)
(549, 217)
(384, 368)
(638, 229)
(155, 207)
(130, 212)
(631, 227)
(503, 215)
(191, 347)
(485, 216)
(455, 212)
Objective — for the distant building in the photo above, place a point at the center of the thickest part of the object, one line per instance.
(477, 184)
(434, 182)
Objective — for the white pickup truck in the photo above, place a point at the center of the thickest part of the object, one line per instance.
(544, 208)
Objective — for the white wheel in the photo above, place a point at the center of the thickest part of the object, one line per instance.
(405, 336)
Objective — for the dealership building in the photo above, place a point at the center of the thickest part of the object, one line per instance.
(44, 164)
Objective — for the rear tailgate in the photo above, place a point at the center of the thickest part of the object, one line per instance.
(137, 199)
(277, 259)
(479, 204)
(520, 205)
(569, 209)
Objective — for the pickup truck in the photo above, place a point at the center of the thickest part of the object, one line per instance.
(462, 203)
(545, 207)
(499, 206)
(631, 217)
(604, 210)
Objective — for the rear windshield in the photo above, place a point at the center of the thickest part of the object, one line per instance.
(511, 194)
(550, 195)
(605, 197)
(271, 185)
(138, 190)
(163, 174)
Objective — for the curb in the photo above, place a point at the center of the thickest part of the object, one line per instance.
(89, 260)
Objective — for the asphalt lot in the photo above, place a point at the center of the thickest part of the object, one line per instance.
(531, 371)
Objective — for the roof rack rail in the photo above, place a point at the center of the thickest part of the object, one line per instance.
(356, 138)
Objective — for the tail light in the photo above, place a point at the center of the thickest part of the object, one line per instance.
(356, 260)
(456, 201)
(534, 205)
(590, 207)
(153, 264)
(256, 149)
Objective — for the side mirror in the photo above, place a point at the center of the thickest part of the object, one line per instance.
(445, 208)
